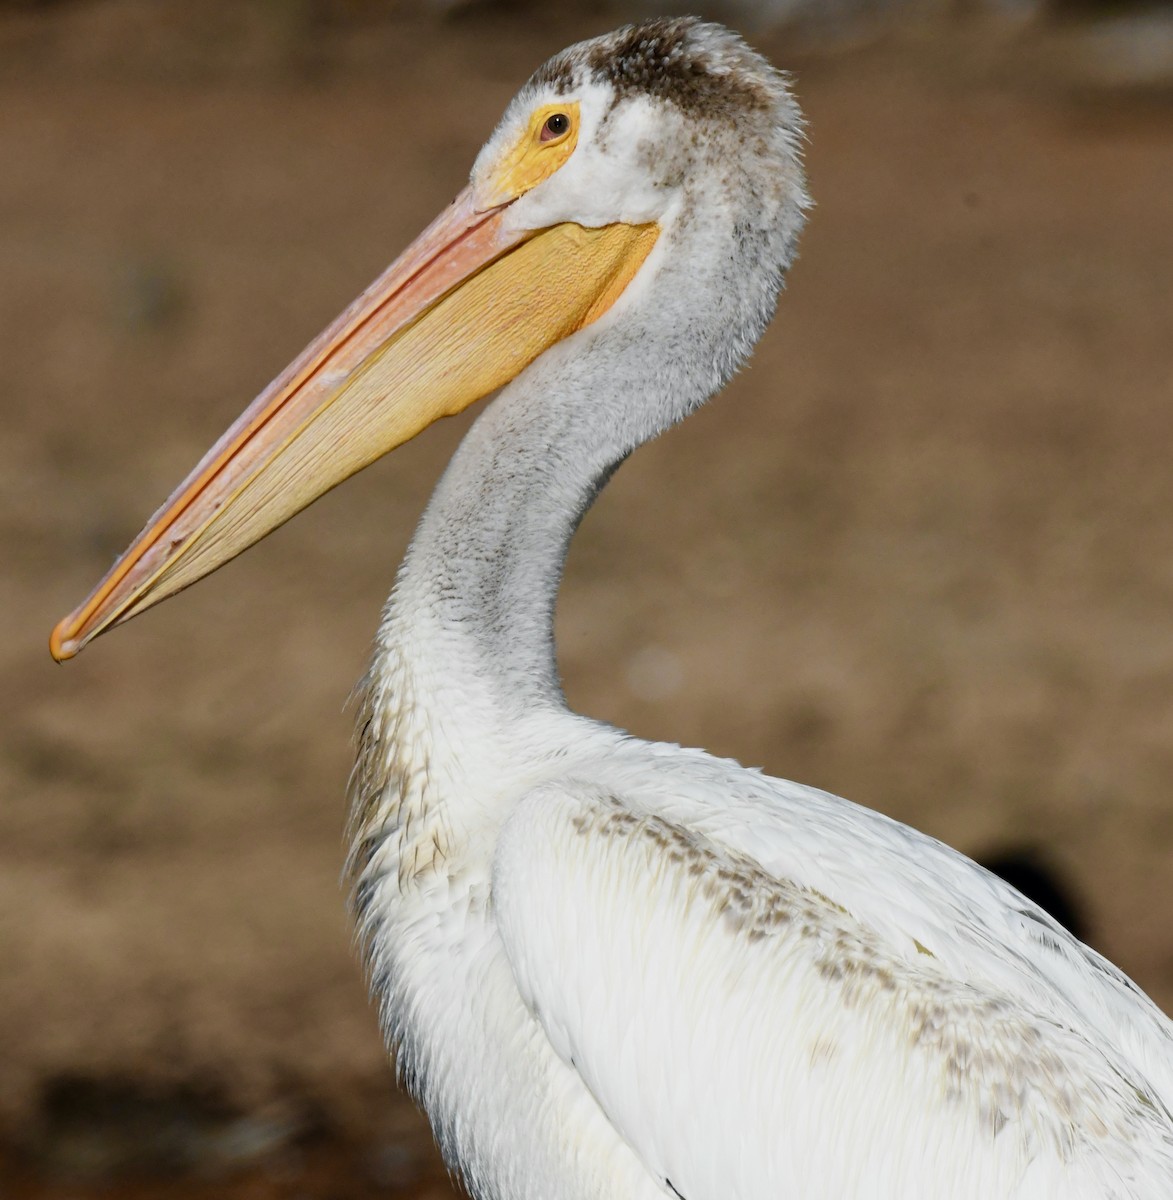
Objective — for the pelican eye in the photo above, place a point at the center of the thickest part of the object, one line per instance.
(543, 145)
(557, 124)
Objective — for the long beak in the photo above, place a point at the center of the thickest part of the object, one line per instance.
(466, 308)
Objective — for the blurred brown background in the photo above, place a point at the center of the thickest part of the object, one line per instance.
(920, 554)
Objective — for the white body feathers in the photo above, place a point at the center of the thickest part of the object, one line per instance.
(641, 970)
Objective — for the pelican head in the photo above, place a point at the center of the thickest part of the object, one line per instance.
(643, 192)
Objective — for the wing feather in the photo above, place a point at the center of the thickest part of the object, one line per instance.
(757, 1032)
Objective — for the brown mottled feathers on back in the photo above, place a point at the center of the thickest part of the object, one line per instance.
(702, 69)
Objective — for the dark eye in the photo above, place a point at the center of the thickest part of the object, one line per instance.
(555, 126)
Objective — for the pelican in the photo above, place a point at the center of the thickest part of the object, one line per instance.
(610, 969)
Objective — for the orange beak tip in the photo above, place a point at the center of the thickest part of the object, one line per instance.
(61, 646)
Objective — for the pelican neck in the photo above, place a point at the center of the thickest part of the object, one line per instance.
(473, 609)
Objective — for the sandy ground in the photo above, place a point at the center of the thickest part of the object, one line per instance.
(920, 554)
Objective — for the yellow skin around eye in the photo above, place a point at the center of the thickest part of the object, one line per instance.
(530, 160)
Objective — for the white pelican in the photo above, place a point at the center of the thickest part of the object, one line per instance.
(608, 968)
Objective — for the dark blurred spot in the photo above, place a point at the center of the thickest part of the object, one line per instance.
(399, 1166)
(150, 295)
(1027, 869)
(99, 1128)
(808, 723)
(1099, 8)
